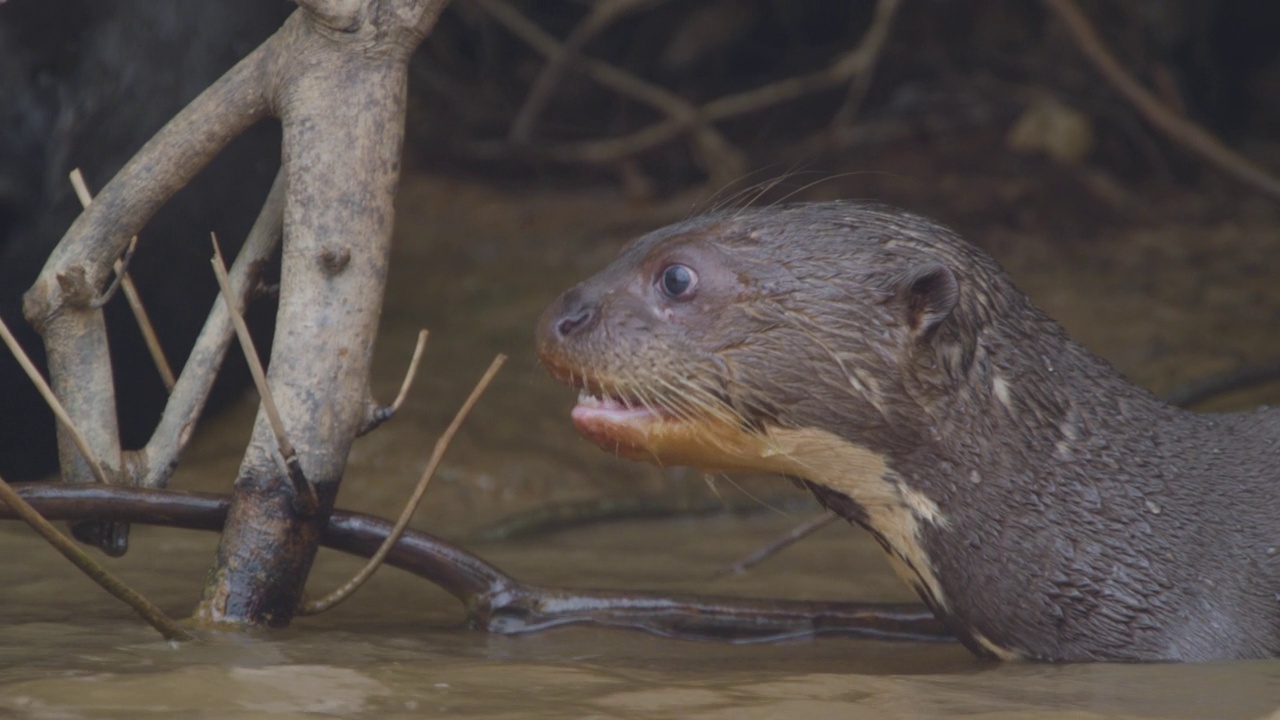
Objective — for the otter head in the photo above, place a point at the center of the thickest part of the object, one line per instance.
(815, 341)
(705, 343)
(898, 372)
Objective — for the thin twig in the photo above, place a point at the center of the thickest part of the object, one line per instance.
(305, 502)
(601, 16)
(411, 373)
(200, 370)
(720, 158)
(52, 401)
(871, 47)
(379, 414)
(1174, 126)
(793, 536)
(345, 591)
(103, 577)
(121, 270)
(682, 115)
(131, 292)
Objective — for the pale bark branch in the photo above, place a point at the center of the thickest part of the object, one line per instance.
(189, 395)
(304, 496)
(338, 84)
(130, 292)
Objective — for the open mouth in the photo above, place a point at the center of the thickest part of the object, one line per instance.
(613, 408)
(615, 423)
(606, 414)
(615, 419)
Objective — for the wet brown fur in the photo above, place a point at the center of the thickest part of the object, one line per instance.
(1061, 513)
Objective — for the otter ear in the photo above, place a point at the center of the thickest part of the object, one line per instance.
(928, 293)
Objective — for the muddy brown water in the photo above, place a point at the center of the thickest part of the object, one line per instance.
(476, 266)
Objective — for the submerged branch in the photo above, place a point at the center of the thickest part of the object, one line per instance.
(402, 523)
(104, 578)
(495, 601)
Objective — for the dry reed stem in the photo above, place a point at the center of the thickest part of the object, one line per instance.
(100, 575)
(410, 373)
(131, 293)
(342, 593)
(305, 501)
(52, 401)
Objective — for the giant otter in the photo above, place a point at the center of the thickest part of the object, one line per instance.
(1041, 506)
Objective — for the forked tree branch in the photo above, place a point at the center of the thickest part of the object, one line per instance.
(496, 602)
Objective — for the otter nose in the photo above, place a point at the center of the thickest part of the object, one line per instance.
(571, 323)
(576, 315)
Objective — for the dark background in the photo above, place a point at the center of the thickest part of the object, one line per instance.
(84, 83)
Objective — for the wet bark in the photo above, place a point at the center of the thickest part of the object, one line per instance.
(497, 602)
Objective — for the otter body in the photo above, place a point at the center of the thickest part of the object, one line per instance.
(1042, 506)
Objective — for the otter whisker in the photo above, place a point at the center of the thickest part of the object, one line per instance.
(825, 178)
(738, 486)
(899, 374)
(721, 199)
(646, 397)
(767, 187)
(676, 399)
(697, 400)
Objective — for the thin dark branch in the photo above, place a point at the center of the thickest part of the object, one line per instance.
(793, 536)
(1174, 125)
(495, 601)
(100, 575)
(684, 117)
(1198, 391)
(601, 16)
(442, 444)
(718, 156)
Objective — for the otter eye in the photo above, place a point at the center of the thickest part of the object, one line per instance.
(678, 281)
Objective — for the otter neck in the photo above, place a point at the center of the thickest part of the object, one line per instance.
(990, 394)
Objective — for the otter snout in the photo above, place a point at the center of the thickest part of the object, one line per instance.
(570, 317)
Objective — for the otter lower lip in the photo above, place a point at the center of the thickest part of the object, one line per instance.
(614, 424)
(608, 408)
